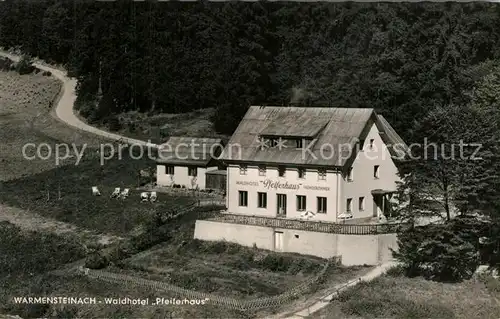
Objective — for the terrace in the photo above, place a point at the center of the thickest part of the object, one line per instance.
(308, 225)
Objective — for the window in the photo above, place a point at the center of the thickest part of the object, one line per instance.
(302, 173)
(371, 143)
(322, 174)
(321, 205)
(375, 171)
(262, 170)
(361, 206)
(243, 169)
(301, 203)
(349, 205)
(281, 171)
(261, 200)
(243, 198)
(349, 174)
(193, 171)
(169, 170)
(361, 144)
(298, 143)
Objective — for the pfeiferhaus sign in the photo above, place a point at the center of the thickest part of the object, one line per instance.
(276, 185)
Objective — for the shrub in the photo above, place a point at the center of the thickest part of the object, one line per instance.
(25, 66)
(47, 73)
(276, 262)
(441, 252)
(217, 247)
(385, 307)
(303, 265)
(87, 110)
(114, 124)
(396, 271)
(96, 261)
(132, 127)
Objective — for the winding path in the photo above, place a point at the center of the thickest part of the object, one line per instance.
(64, 109)
(311, 308)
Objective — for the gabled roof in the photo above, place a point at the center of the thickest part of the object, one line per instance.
(196, 151)
(333, 127)
(392, 139)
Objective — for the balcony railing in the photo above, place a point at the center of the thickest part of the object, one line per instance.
(323, 227)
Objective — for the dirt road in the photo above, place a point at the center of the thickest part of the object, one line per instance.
(65, 107)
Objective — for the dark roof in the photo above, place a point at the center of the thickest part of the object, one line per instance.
(392, 139)
(216, 172)
(195, 151)
(328, 126)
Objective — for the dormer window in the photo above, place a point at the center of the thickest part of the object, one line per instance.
(281, 171)
(302, 173)
(322, 174)
(299, 143)
(262, 170)
(371, 143)
(273, 142)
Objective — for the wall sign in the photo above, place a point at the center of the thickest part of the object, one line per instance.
(270, 184)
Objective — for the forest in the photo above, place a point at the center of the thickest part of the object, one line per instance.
(402, 59)
(431, 69)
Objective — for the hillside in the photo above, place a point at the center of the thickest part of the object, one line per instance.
(172, 57)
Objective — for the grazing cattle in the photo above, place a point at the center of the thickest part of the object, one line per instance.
(125, 193)
(153, 197)
(115, 193)
(95, 191)
(144, 196)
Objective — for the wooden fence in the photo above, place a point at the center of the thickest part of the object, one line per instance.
(228, 302)
(324, 227)
(212, 202)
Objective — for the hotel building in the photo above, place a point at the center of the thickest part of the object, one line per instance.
(306, 163)
(287, 161)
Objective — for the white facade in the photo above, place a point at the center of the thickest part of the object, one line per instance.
(363, 179)
(336, 187)
(181, 176)
(310, 186)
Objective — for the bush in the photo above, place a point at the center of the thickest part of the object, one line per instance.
(396, 271)
(305, 266)
(47, 73)
(25, 66)
(96, 261)
(113, 124)
(441, 252)
(393, 307)
(276, 262)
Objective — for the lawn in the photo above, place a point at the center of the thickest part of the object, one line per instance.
(224, 268)
(64, 193)
(26, 255)
(395, 296)
(26, 116)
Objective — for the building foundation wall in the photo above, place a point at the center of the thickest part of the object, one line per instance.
(353, 249)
